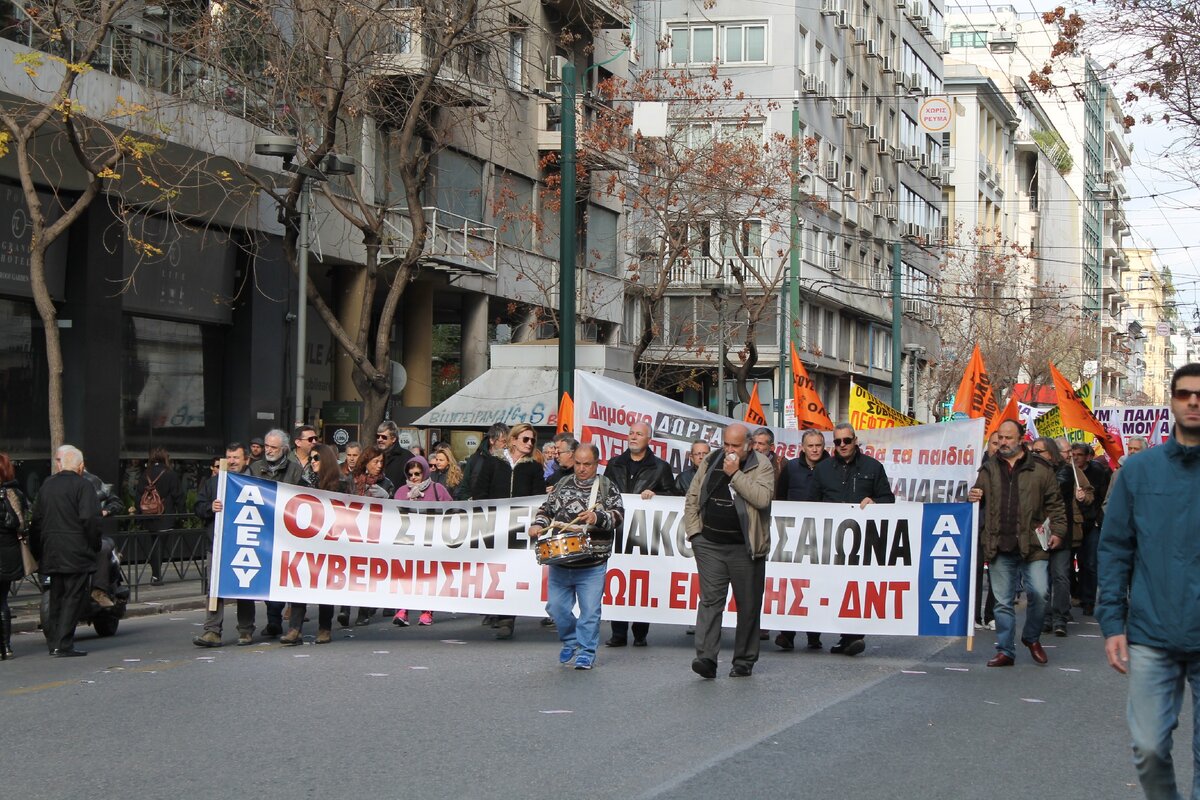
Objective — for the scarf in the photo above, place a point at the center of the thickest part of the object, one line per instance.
(417, 489)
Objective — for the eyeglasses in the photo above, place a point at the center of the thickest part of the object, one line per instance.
(1043, 451)
(308, 438)
(416, 473)
(1183, 395)
(847, 440)
(526, 439)
(314, 458)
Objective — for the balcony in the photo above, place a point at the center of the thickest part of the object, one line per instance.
(593, 13)
(453, 244)
(703, 271)
(459, 81)
(549, 134)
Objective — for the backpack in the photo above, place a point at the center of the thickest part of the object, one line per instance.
(151, 502)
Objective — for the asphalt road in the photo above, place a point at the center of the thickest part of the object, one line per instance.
(447, 712)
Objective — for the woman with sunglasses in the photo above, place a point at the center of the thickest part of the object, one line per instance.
(324, 462)
(419, 488)
(446, 470)
(526, 480)
(366, 479)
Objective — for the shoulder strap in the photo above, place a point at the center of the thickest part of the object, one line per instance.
(14, 503)
(151, 481)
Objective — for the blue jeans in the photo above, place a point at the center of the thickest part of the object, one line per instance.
(1156, 679)
(585, 585)
(1004, 570)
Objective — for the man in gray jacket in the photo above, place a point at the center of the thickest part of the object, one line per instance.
(727, 519)
(1149, 598)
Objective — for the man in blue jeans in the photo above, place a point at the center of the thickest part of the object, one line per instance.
(1022, 493)
(1149, 599)
(592, 500)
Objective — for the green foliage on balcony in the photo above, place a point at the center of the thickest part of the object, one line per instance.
(1055, 149)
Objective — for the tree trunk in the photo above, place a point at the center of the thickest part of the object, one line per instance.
(49, 317)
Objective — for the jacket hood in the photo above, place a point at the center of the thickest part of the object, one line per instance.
(420, 462)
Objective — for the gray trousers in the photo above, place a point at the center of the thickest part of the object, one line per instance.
(721, 566)
(215, 620)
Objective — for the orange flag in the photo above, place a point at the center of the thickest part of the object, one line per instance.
(754, 410)
(810, 411)
(1009, 412)
(974, 396)
(1075, 414)
(566, 414)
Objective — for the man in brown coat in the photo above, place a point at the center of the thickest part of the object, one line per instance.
(1022, 493)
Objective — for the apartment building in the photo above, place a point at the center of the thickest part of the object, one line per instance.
(1078, 126)
(857, 72)
(199, 348)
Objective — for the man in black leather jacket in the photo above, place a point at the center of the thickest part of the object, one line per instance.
(638, 471)
(110, 506)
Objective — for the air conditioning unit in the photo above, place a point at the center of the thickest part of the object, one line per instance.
(915, 10)
(877, 208)
(822, 90)
(554, 68)
(883, 148)
(840, 108)
(1101, 190)
(888, 67)
(912, 230)
(942, 47)
(881, 282)
(935, 172)
(927, 239)
(856, 119)
(830, 7)
(860, 36)
(889, 211)
(923, 162)
(843, 19)
(911, 307)
(922, 24)
(810, 84)
(914, 82)
(830, 171)
(848, 181)
(914, 154)
(831, 261)
(872, 48)
(878, 185)
(901, 4)
(872, 133)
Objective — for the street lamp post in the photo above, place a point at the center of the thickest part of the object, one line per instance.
(285, 147)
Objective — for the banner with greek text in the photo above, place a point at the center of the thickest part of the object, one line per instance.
(868, 412)
(925, 463)
(903, 569)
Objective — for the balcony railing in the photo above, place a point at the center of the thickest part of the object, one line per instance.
(454, 242)
(701, 271)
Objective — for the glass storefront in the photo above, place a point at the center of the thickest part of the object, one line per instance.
(24, 389)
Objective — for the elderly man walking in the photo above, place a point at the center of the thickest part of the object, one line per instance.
(727, 519)
(1149, 599)
(1022, 493)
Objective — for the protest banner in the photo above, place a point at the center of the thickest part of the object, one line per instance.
(755, 416)
(868, 412)
(1076, 414)
(1152, 423)
(974, 396)
(902, 569)
(1049, 421)
(808, 411)
(925, 463)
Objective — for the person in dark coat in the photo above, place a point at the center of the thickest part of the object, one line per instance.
(170, 489)
(797, 482)
(65, 539)
(479, 473)
(699, 452)
(208, 505)
(395, 457)
(851, 476)
(637, 471)
(110, 508)
(14, 513)
(525, 479)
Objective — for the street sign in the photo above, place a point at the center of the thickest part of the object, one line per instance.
(936, 115)
(1163, 328)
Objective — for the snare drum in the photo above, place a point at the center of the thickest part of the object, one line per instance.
(569, 543)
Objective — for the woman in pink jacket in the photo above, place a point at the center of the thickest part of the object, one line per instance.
(419, 488)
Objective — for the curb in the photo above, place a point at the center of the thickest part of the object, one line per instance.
(29, 622)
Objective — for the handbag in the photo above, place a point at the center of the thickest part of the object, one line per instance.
(28, 562)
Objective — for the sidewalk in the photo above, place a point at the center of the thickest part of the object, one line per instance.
(173, 595)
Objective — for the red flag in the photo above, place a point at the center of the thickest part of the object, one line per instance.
(1009, 412)
(566, 414)
(1076, 414)
(754, 410)
(810, 411)
(974, 396)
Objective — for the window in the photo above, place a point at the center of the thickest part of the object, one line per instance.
(459, 180)
(602, 240)
(24, 415)
(515, 59)
(745, 44)
(739, 43)
(693, 45)
(968, 39)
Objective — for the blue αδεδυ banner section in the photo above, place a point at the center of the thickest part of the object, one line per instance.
(247, 534)
(946, 569)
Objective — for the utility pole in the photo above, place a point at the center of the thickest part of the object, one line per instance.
(790, 308)
(897, 318)
(566, 240)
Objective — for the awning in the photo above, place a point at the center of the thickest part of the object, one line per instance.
(502, 394)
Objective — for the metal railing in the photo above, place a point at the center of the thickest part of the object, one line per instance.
(450, 238)
(701, 270)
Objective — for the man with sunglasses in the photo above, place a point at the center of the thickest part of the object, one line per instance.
(304, 439)
(1149, 607)
(395, 455)
(851, 476)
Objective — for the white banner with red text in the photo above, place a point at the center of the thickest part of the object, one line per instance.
(898, 569)
(924, 463)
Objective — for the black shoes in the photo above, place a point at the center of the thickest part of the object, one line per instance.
(70, 653)
(741, 671)
(271, 630)
(639, 642)
(704, 667)
(1060, 630)
(344, 619)
(850, 648)
(786, 641)
(615, 642)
